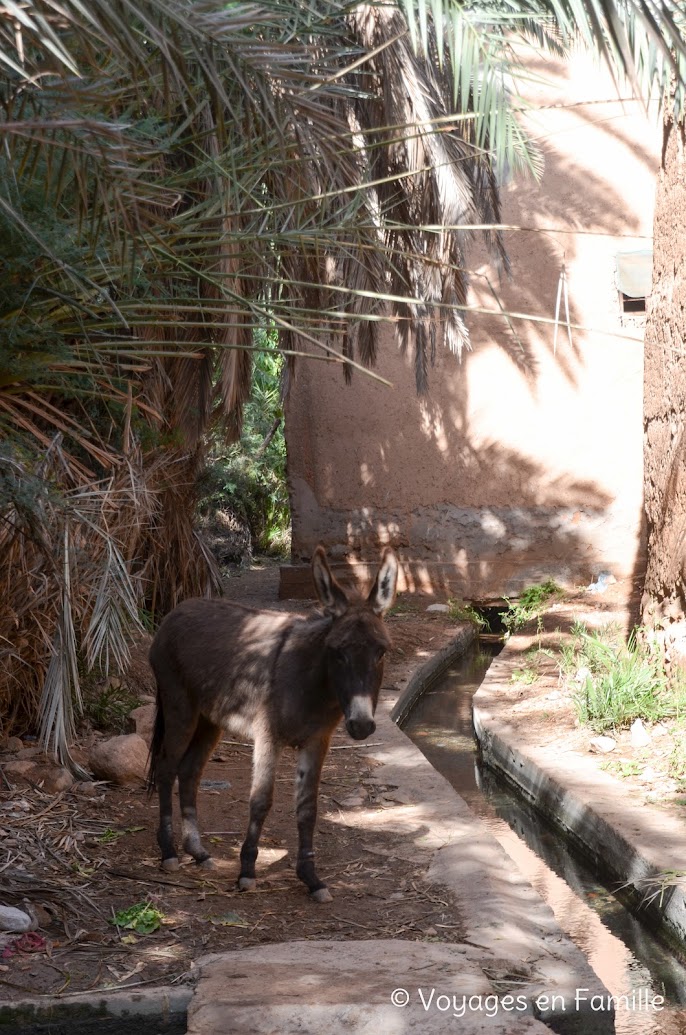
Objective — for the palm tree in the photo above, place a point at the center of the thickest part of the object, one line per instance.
(176, 174)
(663, 605)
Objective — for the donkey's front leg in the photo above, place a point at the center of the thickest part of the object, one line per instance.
(264, 761)
(310, 762)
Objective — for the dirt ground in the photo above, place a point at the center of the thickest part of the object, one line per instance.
(80, 859)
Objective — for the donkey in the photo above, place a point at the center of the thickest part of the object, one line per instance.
(281, 680)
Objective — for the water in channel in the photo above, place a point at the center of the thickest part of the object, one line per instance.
(622, 952)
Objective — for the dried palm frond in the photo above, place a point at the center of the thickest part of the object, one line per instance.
(78, 562)
(61, 689)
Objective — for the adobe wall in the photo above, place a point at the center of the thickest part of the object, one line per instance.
(525, 458)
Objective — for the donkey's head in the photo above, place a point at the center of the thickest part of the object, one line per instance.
(357, 640)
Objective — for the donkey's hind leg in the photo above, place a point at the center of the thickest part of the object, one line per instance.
(190, 770)
(179, 726)
(264, 760)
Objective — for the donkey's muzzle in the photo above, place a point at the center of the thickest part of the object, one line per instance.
(360, 729)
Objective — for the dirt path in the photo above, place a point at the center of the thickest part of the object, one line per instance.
(80, 860)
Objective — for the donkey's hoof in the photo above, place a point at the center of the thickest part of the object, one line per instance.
(207, 864)
(247, 883)
(321, 895)
(170, 865)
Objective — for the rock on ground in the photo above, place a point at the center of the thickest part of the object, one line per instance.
(12, 919)
(122, 760)
(52, 779)
(143, 719)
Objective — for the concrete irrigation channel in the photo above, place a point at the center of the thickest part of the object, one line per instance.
(646, 978)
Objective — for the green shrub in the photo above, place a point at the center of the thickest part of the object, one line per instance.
(248, 479)
(620, 681)
(459, 611)
(107, 708)
(531, 604)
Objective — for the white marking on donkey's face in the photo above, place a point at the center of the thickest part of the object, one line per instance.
(359, 717)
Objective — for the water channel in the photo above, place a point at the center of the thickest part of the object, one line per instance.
(623, 953)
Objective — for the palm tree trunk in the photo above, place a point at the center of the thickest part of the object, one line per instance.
(664, 600)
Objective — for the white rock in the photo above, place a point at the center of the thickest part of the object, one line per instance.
(639, 734)
(603, 745)
(582, 675)
(438, 607)
(12, 919)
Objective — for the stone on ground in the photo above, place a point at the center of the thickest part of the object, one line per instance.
(121, 760)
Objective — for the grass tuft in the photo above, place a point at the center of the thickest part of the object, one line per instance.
(618, 682)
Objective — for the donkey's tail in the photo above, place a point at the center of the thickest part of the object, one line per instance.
(155, 746)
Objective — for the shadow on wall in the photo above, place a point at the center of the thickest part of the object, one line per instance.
(570, 197)
(477, 519)
(504, 472)
(478, 552)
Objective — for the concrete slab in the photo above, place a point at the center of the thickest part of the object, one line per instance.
(385, 987)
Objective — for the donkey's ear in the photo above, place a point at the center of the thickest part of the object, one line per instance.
(382, 593)
(330, 594)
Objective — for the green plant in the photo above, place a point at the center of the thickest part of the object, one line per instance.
(524, 675)
(656, 885)
(248, 479)
(143, 918)
(108, 709)
(622, 767)
(676, 763)
(460, 611)
(529, 673)
(482, 659)
(532, 602)
(110, 836)
(619, 682)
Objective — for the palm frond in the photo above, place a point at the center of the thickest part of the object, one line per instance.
(61, 689)
(641, 40)
(114, 612)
